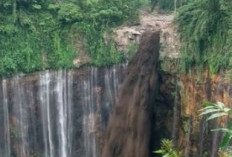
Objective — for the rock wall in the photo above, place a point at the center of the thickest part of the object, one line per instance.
(126, 36)
(180, 96)
(196, 89)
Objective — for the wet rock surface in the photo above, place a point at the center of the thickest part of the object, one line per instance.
(57, 113)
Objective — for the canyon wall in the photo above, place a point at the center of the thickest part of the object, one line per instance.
(176, 114)
(65, 113)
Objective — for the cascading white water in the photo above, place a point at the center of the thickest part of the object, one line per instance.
(216, 134)
(6, 146)
(110, 94)
(92, 92)
(46, 117)
(69, 126)
(62, 113)
(88, 112)
(59, 93)
(57, 114)
(20, 111)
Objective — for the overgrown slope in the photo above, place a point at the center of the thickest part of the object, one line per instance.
(205, 31)
(36, 35)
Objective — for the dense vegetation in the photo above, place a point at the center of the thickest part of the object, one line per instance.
(206, 33)
(169, 5)
(40, 34)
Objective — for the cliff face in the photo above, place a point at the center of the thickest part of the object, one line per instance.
(180, 96)
(127, 36)
(195, 132)
(128, 133)
(65, 113)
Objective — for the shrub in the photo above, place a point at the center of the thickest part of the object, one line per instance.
(204, 32)
(167, 149)
(69, 12)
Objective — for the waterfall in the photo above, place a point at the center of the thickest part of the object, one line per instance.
(57, 113)
(92, 93)
(62, 113)
(89, 117)
(216, 134)
(5, 150)
(21, 112)
(61, 95)
(46, 118)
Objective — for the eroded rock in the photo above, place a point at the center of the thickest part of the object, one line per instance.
(125, 36)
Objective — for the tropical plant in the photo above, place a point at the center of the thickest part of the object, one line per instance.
(167, 149)
(219, 110)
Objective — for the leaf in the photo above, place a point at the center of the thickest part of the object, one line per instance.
(210, 111)
(225, 141)
(227, 109)
(160, 151)
(216, 115)
(166, 155)
(222, 129)
(206, 108)
(220, 105)
(37, 6)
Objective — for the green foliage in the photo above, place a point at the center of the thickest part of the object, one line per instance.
(36, 35)
(69, 12)
(104, 54)
(215, 111)
(132, 50)
(167, 149)
(205, 33)
(101, 18)
(63, 53)
(207, 103)
(186, 125)
(7, 65)
(168, 5)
